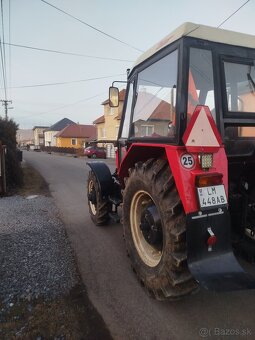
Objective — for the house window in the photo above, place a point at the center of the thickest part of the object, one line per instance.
(102, 132)
(74, 141)
(147, 130)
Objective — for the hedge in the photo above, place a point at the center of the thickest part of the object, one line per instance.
(14, 175)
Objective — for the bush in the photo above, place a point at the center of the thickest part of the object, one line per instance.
(14, 176)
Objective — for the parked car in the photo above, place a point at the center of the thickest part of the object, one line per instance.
(95, 152)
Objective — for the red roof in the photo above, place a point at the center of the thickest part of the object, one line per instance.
(78, 131)
(162, 111)
(158, 108)
(121, 97)
(99, 120)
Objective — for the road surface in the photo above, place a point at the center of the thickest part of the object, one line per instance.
(112, 286)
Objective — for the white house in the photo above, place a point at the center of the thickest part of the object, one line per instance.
(49, 134)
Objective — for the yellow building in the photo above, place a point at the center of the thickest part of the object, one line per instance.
(108, 125)
(75, 136)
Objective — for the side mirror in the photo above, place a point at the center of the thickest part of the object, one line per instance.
(113, 96)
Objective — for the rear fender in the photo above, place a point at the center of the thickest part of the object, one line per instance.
(184, 177)
(214, 267)
(103, 176)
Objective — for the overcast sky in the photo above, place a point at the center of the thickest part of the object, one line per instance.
(138, 23)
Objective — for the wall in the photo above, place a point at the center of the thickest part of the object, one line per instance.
(109, 129)
(49, 138)
(38, 133)
(67, 142)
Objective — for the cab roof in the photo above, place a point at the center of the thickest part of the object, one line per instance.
(189, 29)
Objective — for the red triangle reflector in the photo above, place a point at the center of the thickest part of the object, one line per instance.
(202, 134)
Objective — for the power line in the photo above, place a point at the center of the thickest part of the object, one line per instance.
(66, 82)
(10, 73)
(93, 27)
(2, 47)
(3, 69)
(67, 53)
(3, 40)
(64, 106)
(223, 22)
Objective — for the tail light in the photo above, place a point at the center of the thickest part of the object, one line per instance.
(208, 180)
(212, 239)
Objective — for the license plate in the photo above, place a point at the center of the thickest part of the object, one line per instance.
(213, 196)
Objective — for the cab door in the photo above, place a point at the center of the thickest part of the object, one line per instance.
(125, 124)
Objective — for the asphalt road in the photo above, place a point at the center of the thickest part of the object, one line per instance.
(112, 286)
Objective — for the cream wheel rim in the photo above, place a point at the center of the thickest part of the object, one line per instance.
(149, 254)
(91, 188)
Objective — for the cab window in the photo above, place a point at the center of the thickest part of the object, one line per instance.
(125, 127)
(240, 86)
(155, 106)
(201, 84)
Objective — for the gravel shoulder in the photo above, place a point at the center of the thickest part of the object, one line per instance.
(41, 293)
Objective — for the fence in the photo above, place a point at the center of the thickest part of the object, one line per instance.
(72, 151)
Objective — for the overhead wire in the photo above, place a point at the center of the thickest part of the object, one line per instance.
(67, 53)
(64, 106)
(10, 73)
(66, 82)
(92, 27)
(3, 71)
(231, 15)
(3, 58)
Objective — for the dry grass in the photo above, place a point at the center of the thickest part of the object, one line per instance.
(67, 317)
(34, 183)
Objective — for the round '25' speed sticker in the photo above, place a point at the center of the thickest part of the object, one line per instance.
(187, 161)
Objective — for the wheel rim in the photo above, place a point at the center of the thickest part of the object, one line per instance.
(92, 192)
(142, 204)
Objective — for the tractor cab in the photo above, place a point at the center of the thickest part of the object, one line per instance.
(185, 163)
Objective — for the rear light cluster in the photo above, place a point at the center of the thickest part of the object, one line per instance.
(208, 180)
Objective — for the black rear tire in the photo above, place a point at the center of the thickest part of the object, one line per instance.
(159, 260)
(98, 206)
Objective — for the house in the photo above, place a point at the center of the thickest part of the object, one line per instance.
(108, 124)
(49, 134)
(75, 136)
(39, 135)
(153, 116)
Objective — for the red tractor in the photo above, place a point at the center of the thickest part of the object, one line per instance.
(185, 163)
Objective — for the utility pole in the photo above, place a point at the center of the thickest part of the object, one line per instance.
(5, 104)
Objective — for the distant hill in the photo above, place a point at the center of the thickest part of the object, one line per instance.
(25, 136)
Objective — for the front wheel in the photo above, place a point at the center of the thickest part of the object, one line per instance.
(98, 206)
(155, 230)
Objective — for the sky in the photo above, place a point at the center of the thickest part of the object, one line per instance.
(138, 24)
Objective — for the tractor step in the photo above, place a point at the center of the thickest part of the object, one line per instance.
(115, 200)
